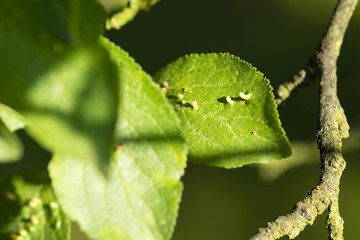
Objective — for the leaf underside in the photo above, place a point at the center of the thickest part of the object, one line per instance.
(222, 131)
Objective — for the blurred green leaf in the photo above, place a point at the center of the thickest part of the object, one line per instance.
(12, 119)
(86, 21)
(66, 86)
(49, 22)
(305, 153)
(139, 196)
(11, 148)
(221, 127)
(29, 209)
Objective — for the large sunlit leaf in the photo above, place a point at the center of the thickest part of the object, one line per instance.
(29, 209)
(138, 197)
(227, 110)
(66, 84)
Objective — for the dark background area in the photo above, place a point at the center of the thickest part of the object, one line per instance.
(277, 37)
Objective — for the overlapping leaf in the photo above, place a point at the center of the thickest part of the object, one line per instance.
(66, 85)
(227, 110)
(12, 119)
(138, 197)
(11, 148)
(30, 211)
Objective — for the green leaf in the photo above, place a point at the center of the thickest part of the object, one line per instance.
(87, 20)
(139, 196)
(220, 132)
(11, 148)
(128, 13)
(66, 85)
(53, 24)
(29, 209)
(12, 119)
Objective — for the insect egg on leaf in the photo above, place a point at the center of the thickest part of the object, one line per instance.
(179, 96)
(245, 96)
(166, 84)
(229, 100)
(164, 90)
(194, 105)
(34, 219)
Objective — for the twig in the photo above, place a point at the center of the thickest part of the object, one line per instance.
(305, 76)
(332, 128)
(128, 13)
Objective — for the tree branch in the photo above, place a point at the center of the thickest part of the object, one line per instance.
(332, 128)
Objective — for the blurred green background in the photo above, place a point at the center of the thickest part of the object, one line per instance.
(277, 37)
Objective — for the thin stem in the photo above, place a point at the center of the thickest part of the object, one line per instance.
(305, 76)
(332, 128)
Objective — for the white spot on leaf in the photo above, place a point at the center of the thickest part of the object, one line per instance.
(229, 100)
(245, 96)
(194, 105)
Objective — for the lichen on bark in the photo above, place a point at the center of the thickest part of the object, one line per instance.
(332, 128)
